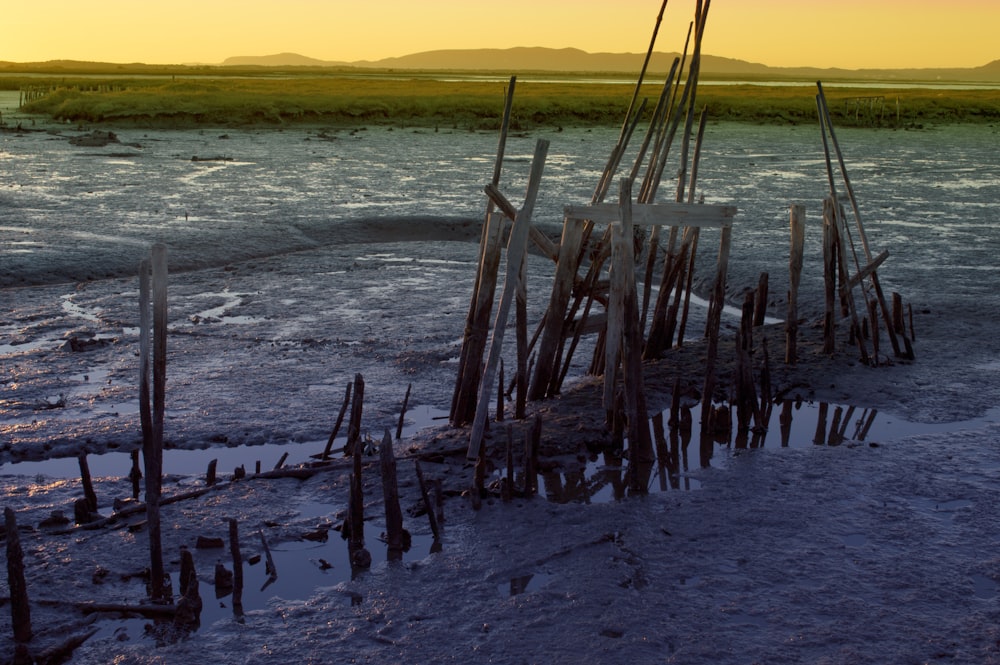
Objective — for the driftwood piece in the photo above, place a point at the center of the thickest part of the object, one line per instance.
(269, 567)
(337, 424)
(428, 506)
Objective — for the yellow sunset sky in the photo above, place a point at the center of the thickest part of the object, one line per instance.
(821, 33)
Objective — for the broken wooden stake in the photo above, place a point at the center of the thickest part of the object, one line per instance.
(394, 532)
(428, 506)
(269, 567)
(88, 485)
(357, 408)
(19, 608)
(797, 223)
(234, 549)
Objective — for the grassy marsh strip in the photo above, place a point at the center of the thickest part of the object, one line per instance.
(419, 101)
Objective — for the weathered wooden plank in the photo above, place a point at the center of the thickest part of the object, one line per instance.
(867, 270)
(653, 214)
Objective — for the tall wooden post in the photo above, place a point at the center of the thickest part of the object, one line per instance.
(797, 222)
(463, 407)
(152, 417)
(390, 493)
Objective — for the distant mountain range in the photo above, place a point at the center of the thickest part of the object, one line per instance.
(536, 59)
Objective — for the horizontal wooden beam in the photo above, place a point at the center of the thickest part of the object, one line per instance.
(867, 270)
(542, 241)
(657, 214)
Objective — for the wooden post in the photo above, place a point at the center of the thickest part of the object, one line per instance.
(134, 474)
(714, 322)
(830, 249)
(797, 222)
(88, 485)
(234, 549)
(357, 409)
(210, 473)
(562, 289)
(19, 608)
(616, 316)
(521, 333)
(390, 492)
(188, 608)
(152, 446)
(640, 441)
(360, 557)
(516, 247)
(500, 384)
(760, 300)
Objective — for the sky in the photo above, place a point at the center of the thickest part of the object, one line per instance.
(852, 34)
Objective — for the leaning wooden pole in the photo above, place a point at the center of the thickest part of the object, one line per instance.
(477, 321)
(879, 295)
(516, 248)
(605, 182)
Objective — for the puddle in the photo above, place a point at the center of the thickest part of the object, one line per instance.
(854, 539)
(302, 567)
(524, 584)
(984, 587)
(789, 424)
(194, 463)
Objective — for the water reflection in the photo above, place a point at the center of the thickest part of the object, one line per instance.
(607, 474)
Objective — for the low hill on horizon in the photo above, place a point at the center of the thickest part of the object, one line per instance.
(517, 61)
(540, 59)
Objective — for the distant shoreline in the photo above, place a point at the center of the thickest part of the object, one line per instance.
(428, 99)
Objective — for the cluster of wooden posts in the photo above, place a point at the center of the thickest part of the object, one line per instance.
(640, 235)
(183, 613)
(632, 328)
(623, 343)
